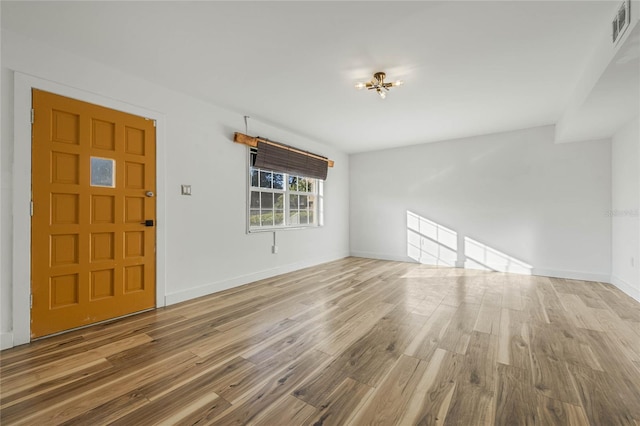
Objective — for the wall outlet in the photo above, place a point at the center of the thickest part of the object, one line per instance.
(274, 249)
(185, 189)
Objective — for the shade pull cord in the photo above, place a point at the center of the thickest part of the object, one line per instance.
(246, 124)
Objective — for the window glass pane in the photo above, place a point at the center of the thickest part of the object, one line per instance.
(278, 181)
(265, 179)
(303, 184)
(278, 218)
(255, 200)
(294, 218)
(311, 218)
(311, 185)
(267, 200)
(278, 202)
(267, 218)
(103, 172)
(293, 202)
(304, 217)
(303, 201)
(254, 177)
(293, 183)
(311, 199)
(254, 218)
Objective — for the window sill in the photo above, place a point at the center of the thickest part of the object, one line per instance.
(276, 228)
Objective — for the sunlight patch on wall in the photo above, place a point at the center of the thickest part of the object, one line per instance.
(481, 256)
(429, 242)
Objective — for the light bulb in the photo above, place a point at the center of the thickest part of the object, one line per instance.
(360, 85)
(398, 83)
(382, 94)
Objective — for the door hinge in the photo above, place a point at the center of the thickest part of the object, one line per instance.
(31, 301)
(33, 115)
(31, 208)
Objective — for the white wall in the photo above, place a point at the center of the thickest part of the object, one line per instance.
(206, 247)
(5, 293)
(518, 193)
(625, 226)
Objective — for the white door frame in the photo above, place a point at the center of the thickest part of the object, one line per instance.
(21, 283)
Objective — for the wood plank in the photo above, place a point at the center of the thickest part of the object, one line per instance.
(56, 368)
(514, 396)
(60, 384)
(618, 330)
(181, 401)
(389, 400)
(289, 410)
(457, 335)
(265, 394)
(110, 411)
(488, 320)
(471, 405)
(513, 342)
(339, 406)
(581, 315)
(232, 342)
(554, 412)
(479, 365)
(599, 397)
(431, 400)
(550, 374)
(352, 330)
(620, 303)
(431, 334)
(368, 359)
(58, 408)
(621, 374)
(512, 293)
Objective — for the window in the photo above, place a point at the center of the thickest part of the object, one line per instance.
(282, 200)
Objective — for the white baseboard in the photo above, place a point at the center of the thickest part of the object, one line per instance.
(215, 287)
(625, 287)
(382, 256)
(571, 275)
(6, 340)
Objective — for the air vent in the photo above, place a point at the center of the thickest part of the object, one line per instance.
(621, 21)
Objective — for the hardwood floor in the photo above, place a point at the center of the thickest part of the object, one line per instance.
(355, 341)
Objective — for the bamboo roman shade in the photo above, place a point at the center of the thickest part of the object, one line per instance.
(285, 160)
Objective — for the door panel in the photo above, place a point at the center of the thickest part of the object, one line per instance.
(92, 257)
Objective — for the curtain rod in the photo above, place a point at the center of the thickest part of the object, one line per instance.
(252, 141)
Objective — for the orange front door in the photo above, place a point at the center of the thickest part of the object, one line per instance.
(93, 222)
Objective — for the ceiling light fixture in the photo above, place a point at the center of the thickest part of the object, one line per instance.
(379, 85)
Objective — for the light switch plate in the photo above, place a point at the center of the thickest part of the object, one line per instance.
(186, 189)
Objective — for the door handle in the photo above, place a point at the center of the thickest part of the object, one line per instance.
(149, 194)
(148, 222)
